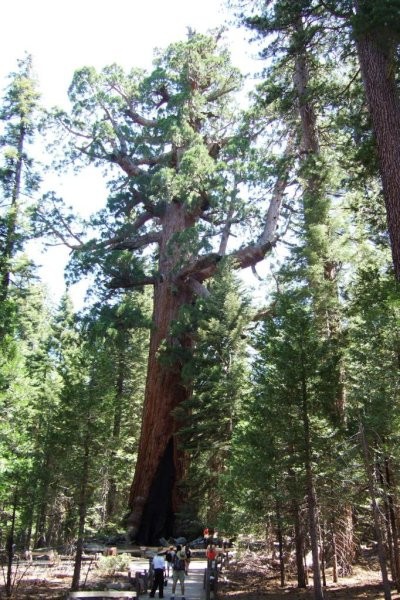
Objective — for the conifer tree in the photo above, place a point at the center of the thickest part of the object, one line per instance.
(18, 177)
(300, 67)
(373, 383)
(216, 371)
(28, 390)
(117, 338)
(179, 151)
(377, 35)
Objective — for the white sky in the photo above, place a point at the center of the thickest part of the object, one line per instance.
(64, 36)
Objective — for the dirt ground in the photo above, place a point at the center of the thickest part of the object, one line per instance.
(250, 578)
(48, 581)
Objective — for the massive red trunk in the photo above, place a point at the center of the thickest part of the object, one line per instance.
(154, 498)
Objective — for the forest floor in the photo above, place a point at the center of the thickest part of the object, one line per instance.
(250, 578)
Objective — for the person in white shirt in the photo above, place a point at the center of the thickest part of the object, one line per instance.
(159, 569)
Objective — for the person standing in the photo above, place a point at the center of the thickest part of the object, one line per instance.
(159, 569)
(178, 571)
(211, 554)
(168, 558)
(206, 535)
(188, 554)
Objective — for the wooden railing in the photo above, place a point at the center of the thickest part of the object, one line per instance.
(211, 579)
(102, 594)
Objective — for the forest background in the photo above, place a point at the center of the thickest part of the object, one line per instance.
(278, 415)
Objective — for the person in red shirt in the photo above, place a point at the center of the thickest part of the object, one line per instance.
(206, 535)
(211, 552)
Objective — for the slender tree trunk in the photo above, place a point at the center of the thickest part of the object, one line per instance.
(375, 512)
(311, 494)
(43, 508)
(390, 519)
(280, 544)
(29, 515)
(299, 543)
(345, 531)
(380, 476)
(393, 520)
(323, 562)
(334, 557)
(10, 548)
(82, 515)
(377, 57)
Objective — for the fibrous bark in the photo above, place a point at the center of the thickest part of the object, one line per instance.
(377, 55)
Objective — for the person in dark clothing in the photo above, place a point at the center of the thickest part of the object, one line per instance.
(159, 569)
(188, 557)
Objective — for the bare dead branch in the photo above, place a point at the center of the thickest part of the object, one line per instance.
(226, 231)
(275, 205)
(205, 266)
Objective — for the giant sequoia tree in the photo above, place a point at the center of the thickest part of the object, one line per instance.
(181, 156)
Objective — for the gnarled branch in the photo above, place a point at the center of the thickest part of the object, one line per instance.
(139, 119)
(133, 243)
(197, 288)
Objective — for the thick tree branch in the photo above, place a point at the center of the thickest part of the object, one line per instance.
(132, 167)
(139, 119)
(204, 263)
(141, 220)
(205, 266)
(126, 283)
(133, 243)
(197, 288)
(129, 166)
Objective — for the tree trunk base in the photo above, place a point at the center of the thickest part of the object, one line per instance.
(158, 515)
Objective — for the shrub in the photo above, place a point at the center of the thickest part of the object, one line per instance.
(107, 565)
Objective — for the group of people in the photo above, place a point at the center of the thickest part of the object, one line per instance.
(175, 559)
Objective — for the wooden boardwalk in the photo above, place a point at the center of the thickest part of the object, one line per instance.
(194, 581)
